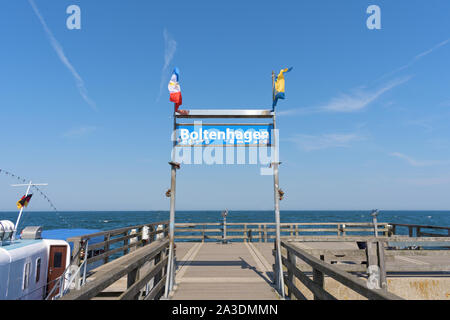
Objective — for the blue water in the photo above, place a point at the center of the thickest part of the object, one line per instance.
(107, 220)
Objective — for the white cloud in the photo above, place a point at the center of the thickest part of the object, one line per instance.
(60, 52)
(324, 141)
(417, 163)
(79, 132)
(170, 47)
(359, 99)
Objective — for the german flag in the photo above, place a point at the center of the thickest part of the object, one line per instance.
(23, 202)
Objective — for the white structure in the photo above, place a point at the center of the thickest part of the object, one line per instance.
(30, 268)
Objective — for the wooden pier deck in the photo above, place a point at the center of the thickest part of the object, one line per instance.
(214, 271)
(315, 266)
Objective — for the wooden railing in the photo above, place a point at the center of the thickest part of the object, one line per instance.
(147, 285)
(418, 230)
(321, 268)
(340, 263)
(117, 242)
(264, 232)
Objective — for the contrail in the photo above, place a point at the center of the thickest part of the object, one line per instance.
(415, 59)
(60, 52)
(170, 46)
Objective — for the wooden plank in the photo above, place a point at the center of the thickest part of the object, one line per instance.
(225, 271)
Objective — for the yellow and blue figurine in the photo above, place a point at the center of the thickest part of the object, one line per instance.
(278, 90)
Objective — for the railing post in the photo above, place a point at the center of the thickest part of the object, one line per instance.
(410, 228)
(381, 264)
(76, 260)
(151, 231)
(265, 233)
(292, 258)
(133, 240)
(106, 247)
(394, 229)
(318, 277)
(125, 243)
(159, 275)
(245, 233)
(418, 233)
(376, 268)
(131, 279)
(224, 237)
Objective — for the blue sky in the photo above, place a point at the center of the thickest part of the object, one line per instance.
(364, 124)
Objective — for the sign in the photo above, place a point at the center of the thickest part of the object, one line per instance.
(226, 135)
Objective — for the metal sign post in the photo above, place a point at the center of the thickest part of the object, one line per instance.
(276, 188)
(219, 135)
(170, 274)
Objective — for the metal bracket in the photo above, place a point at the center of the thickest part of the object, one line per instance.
(175, 164)
(270, 165)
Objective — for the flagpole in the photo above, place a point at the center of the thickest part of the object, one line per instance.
(21, 209)
(20, 213)
(273, 90)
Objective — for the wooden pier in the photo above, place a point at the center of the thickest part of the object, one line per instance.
(346, 261)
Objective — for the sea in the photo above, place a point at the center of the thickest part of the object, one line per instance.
(108, 220)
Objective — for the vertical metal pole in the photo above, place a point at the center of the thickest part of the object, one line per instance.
(275, 163)
(20, 214)
(86, 256)
(224, 229)
(172, 227)
(170, 263)
(273, 90)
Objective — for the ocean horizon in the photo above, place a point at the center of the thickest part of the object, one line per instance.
(108, 220)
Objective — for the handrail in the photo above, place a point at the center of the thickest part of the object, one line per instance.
(131, 237)
(265, 231)
(117, 231)
(419, 225)
(321, 268)
(128, 265)
(418, 228)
